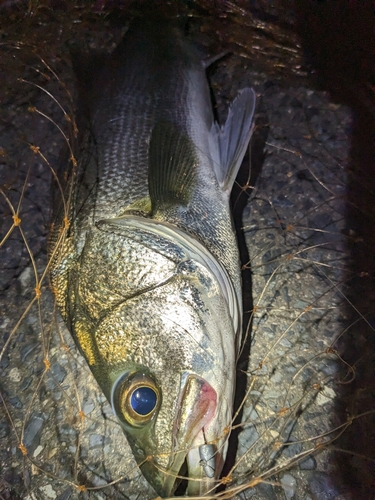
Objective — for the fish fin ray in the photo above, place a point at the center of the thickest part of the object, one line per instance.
(172, 173)
(233, 138)
(211, 60)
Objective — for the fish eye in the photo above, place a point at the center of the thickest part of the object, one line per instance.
(135, 398)
(143, 400)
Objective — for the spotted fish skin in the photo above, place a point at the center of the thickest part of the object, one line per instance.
(147, 276)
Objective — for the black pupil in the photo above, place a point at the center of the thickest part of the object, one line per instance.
(143, 400)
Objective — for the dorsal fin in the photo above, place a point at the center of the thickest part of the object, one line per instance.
(233, 138)
(172, 172)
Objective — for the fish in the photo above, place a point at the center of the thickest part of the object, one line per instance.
(145, 266)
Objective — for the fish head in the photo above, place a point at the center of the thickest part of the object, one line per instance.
(168, 422)
(159, 337)
(171, 390)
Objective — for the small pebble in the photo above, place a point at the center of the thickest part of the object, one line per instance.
(68, 430)
(277, 378)
(52, 453)
(4, 362)
(65, 495)
(25, 383)
(308, 464)
(16, 402)
(250, 414)
(27, 350)
(99, 481)
(25, 276)
(96, 440)
(59, 373)
(292, 450)
(33, 432)
(48, 491)
(247, 437)
(87, 406)
(37, 451)
(57, 395)
(5, 323)
(289, 484)
(285, 343)
(273, 393)
(14, 375)
(325, 396)
(4, 429)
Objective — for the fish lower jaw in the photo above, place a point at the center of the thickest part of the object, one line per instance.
(198, 467)
(199, 472)
(204, 464)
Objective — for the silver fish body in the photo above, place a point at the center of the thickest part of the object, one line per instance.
(147, 276)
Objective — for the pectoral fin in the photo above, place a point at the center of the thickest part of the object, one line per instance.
(172, 173)
(233, 138)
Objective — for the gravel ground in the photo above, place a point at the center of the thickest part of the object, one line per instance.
(59, 437)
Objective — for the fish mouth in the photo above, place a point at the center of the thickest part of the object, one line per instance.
(204, 463)
(198, 472)
(195, 457)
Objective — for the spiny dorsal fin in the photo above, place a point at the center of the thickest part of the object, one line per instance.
(233, 138)
(172, 172)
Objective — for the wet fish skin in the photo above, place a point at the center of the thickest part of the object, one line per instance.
(148, 276)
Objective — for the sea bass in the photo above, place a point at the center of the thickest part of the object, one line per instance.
(147, 273)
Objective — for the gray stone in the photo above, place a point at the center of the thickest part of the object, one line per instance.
(292, 449)
(59, 373)
(289, 485)
(97, 441)
(247, 437)
(27, 350)
(65, 495)
(308, 463)
(16, 402)
(33, 432)
(87, 406)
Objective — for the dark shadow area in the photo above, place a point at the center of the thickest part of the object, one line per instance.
(337, 38)
(246, 178)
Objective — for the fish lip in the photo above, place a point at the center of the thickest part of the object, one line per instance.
(188, 435)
